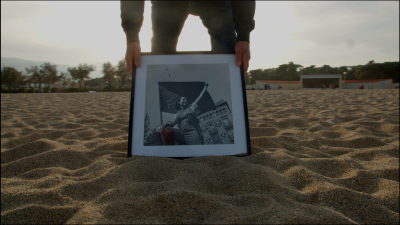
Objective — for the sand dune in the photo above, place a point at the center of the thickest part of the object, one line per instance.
(320, 156)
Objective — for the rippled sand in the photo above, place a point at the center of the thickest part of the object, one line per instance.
(320, 156)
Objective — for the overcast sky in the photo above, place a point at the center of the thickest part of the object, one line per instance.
(307, 33)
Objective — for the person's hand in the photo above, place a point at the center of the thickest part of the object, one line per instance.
(132, 55)
(205, 84)
(159, 128)
(242, 50)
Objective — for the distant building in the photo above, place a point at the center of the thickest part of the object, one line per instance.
(217, 125)
(376, 83)
(315, 81)
(34, 83)
(274, 84)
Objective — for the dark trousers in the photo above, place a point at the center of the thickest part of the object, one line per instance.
(168, 18)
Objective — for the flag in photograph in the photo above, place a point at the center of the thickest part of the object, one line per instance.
(170, 92)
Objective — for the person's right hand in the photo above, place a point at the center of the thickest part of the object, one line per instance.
(160, 128)
(132, 55)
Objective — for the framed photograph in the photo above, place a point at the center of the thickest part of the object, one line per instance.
(188, 105)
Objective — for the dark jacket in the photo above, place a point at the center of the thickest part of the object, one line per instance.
(132, 18)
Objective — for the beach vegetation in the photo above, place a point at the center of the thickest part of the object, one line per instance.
(351, 73)
(71, 89)
(95, 82)
(67, 80)
(109, 71)
(22, 90)
(108, 88)
(81, 73)
(12, 78)
(122, 72)
(35, 75)
(18, 90)
(292, 72)
(46, 73)
(288, 71)
(374, 70)
(50, 73)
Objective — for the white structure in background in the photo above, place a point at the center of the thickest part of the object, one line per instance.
(317, 80)
(58, 84)
(274, 84)
(376, 83)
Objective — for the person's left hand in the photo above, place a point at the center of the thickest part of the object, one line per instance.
(132, 55)
(242, 50)
(205, 84)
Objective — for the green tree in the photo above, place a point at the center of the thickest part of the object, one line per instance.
(81, 72)
(391, 70)
(247, 78)
(254, 74)
(12, 78)
(96, 82)
(327, 69)
(36, 75)
(282, 71)
(122, 71)
(293, 71)
(109, 71)
(309, 70)
(67, 79)
(343, 69)
(51, 74)
(22, 79)
(351, 74)
(269, 74)
(387, 70)
(289, 72)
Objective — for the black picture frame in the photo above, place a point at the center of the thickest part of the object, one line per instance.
(136, 85)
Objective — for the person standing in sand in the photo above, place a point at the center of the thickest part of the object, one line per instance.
(223, 20)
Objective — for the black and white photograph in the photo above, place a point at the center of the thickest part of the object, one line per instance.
(188, 104)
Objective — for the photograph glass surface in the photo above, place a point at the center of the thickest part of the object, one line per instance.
(194, 100)
(188, 105)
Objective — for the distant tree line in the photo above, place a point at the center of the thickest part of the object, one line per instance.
(117, 77)
(12, 78)
(114, 77)
(292, 72)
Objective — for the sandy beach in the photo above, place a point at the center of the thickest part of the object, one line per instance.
(318, 156)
